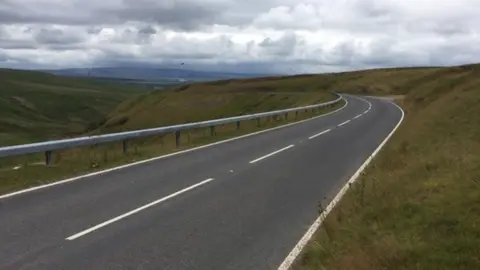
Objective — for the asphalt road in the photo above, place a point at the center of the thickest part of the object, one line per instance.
(243, 204)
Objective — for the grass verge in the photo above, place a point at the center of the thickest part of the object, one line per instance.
(30, 170)
(417, 206)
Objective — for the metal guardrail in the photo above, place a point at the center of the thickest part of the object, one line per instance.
(49, 146)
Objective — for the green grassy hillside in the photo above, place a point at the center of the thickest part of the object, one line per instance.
(159, 109)
(417, 206)
(38, 106)
(239, 96)
(212, 100)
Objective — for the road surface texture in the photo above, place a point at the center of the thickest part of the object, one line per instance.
(242, 204)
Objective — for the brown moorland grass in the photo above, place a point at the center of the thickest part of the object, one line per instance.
(417, 206)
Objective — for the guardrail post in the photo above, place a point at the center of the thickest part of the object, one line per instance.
(258, 122)
(238, 124)
(286, 115)
(296, 114)
(48, 158)
(177, 138)
(124, 146)
(212, 131)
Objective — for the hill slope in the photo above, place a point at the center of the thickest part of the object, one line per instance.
(210, 100)
(39, 106)
(418, 205)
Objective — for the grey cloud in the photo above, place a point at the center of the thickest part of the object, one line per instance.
(23, 15)
(185, 15)
(380, 53)
(94, 30)
(37, 37)
(145, 34)
(366, 32)
(449, 29)
(56, 36)
(149, 30)
(7, 43)
(3, 33)
(17, 45)
(180, 14)
(142, 36)
(455, 53)
(3, 57)
(374, 9)
(65, 47)
(342, 54)
(284, 46)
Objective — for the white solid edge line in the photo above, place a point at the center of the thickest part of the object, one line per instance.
(271, 154)
(286, 264)
(110, 221)
(344, 123)
(319, 134)
(8, 195)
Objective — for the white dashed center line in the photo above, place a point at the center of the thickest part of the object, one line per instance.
(321, 133)
(344, 123)
(271, 154)
(134, 211)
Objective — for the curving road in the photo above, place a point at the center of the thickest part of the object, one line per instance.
(242, 204)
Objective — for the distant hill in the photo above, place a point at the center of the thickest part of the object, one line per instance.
(148, 74)
(37, 106)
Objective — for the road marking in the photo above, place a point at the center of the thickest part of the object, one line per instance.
(358, 116)
(271, 154)
(134, 211)
(80, 177)
(368, 102)
(319, 134)
(287, 263)
(344, 123)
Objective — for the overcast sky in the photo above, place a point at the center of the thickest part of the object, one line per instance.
(292, 36)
